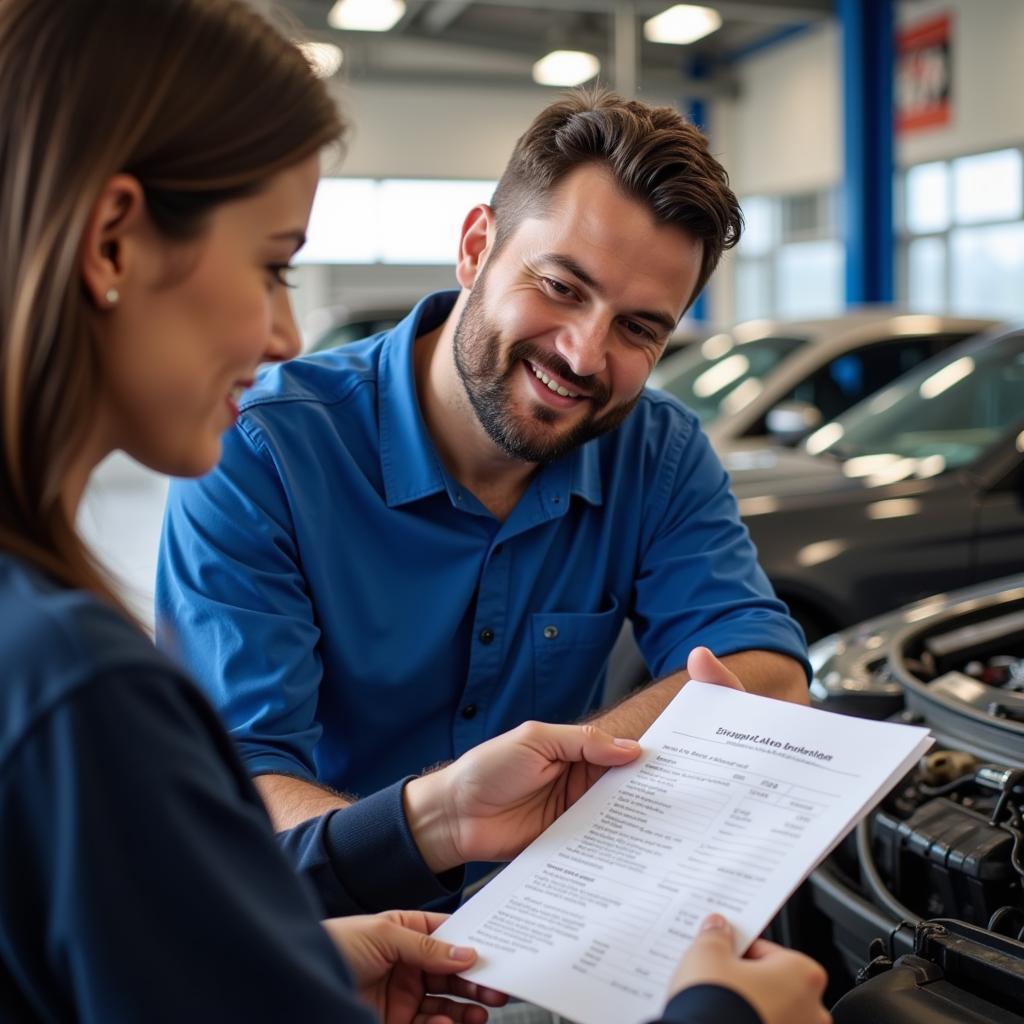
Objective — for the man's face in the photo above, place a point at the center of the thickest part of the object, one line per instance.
(565, 322)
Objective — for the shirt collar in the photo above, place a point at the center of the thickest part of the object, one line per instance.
(409, 461)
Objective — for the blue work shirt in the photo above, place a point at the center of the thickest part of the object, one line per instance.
(357, 615)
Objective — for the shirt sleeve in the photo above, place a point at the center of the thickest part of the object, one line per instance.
(709, 1004)
(699, 582)
(363, 859)
(233, 608)
(141, 879)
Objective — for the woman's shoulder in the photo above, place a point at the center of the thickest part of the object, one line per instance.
(54, 640)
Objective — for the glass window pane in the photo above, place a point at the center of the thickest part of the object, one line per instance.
(940, 416)
(806, 214)
(760, 231)
(343, 223)
(926, 275)
(988, 187)
(809, 279)
(928, 198)
(987, 270)
(753, 289)
(705, 384)
(420, 221)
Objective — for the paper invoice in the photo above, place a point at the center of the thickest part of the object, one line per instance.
(732, 802)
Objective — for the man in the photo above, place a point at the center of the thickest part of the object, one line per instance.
(418, 541)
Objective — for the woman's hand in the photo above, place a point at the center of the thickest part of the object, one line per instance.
(404, 974)
(498, 797)
(783, 986)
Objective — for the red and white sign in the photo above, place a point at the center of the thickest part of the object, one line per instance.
(924, 75)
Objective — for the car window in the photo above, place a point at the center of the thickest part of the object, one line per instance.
(939, 417)
(725, 383)
(354, 330)
(850, 378)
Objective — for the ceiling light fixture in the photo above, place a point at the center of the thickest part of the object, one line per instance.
(365, 15)
(323, 58)
(682, 24)
(565, 68)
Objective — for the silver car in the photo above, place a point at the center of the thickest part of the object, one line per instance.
(775, 382)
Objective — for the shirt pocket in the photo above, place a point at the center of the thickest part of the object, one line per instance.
(570, 654)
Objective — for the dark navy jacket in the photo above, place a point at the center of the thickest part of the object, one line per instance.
(139, 876)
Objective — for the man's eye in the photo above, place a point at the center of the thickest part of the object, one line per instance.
(638, 331)
(557, 287)
(279, 272)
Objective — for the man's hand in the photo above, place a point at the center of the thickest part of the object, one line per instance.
(498, 797)
(404, 974)
(705, 667)
(762, 672)
(783, 986)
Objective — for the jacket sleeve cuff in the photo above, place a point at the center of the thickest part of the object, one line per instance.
(375, 857)
(709, 1004)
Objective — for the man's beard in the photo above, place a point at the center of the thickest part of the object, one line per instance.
(477, 349)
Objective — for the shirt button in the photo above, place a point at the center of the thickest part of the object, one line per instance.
(550, 632)
(469, 711)
(486, 636)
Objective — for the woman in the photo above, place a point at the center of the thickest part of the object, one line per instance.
(157, 168)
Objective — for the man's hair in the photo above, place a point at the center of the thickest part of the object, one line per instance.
(652, 153)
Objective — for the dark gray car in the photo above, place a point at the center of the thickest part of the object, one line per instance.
(916, 491)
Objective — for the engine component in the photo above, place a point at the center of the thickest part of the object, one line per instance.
(947, 860)
(957, 974)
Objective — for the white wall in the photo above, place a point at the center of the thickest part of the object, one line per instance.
(432, 131)
(783, 133)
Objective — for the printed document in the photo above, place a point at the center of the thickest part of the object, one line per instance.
(733, 801)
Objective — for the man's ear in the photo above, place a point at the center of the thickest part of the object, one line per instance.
(475, 244)
(106, 251)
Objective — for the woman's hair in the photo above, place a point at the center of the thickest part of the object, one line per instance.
(202, 101)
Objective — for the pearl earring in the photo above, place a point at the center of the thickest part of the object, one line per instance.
(113, 296)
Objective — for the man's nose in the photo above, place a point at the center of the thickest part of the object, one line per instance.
(583, 345)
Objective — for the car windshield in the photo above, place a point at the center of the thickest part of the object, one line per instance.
(723, 375)
(934, 419)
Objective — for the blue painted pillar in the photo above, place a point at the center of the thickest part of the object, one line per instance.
(868, 70)
(697, 113)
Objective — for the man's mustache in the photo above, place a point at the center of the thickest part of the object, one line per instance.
(554, 364)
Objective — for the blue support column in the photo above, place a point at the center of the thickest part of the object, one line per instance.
(696, 112)
(868, 70)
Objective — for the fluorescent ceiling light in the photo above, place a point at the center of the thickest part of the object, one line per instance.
(324, 58)
(366, 15)
(682, 24)
(565, 68)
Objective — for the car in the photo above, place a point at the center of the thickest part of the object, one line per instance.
(956, 659)
(338, 325)
(924, 904)
(915, 491)
(767, 381)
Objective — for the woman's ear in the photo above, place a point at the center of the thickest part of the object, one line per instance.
(107, 248)
(475, 244)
